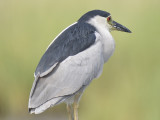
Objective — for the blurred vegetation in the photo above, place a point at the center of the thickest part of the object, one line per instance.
(130, 84)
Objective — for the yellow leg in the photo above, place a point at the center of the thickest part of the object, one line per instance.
(75, 111)
(76, 104)
(70, 112)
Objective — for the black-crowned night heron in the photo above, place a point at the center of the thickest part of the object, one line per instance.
(72, 61)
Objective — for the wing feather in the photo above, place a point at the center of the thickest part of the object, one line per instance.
(73, 40)
(70, 75)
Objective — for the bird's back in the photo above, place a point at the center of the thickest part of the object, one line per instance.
(75, 39)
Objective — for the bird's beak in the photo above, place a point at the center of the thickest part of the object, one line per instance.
(119, 27)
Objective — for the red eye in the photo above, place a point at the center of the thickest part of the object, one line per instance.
(109, 18)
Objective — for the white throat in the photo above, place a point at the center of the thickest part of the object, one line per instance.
(102, 27)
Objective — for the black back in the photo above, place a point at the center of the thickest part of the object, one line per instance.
(72, 41)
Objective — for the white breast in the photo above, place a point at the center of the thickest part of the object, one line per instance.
(107, 42)
(106, 38)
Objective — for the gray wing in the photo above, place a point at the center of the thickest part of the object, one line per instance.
(75, 39)
(67, 78)
(72, 41)
(69, 75)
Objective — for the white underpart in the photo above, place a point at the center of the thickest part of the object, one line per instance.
(103, 28)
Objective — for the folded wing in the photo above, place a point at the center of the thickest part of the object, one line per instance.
(76, 62)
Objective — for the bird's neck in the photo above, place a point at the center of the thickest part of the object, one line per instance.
(107, 40)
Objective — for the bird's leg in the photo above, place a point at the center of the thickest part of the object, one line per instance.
(75, 111)
(76, 105)
(70, 111)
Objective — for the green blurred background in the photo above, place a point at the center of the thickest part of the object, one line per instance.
(128, 89)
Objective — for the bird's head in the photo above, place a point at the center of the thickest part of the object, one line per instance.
(102, 18)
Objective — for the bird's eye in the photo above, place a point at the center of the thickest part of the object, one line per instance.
(109, 18)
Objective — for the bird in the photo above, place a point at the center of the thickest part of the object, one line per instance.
(71, 61)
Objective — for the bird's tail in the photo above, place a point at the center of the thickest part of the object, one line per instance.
(46, 105)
